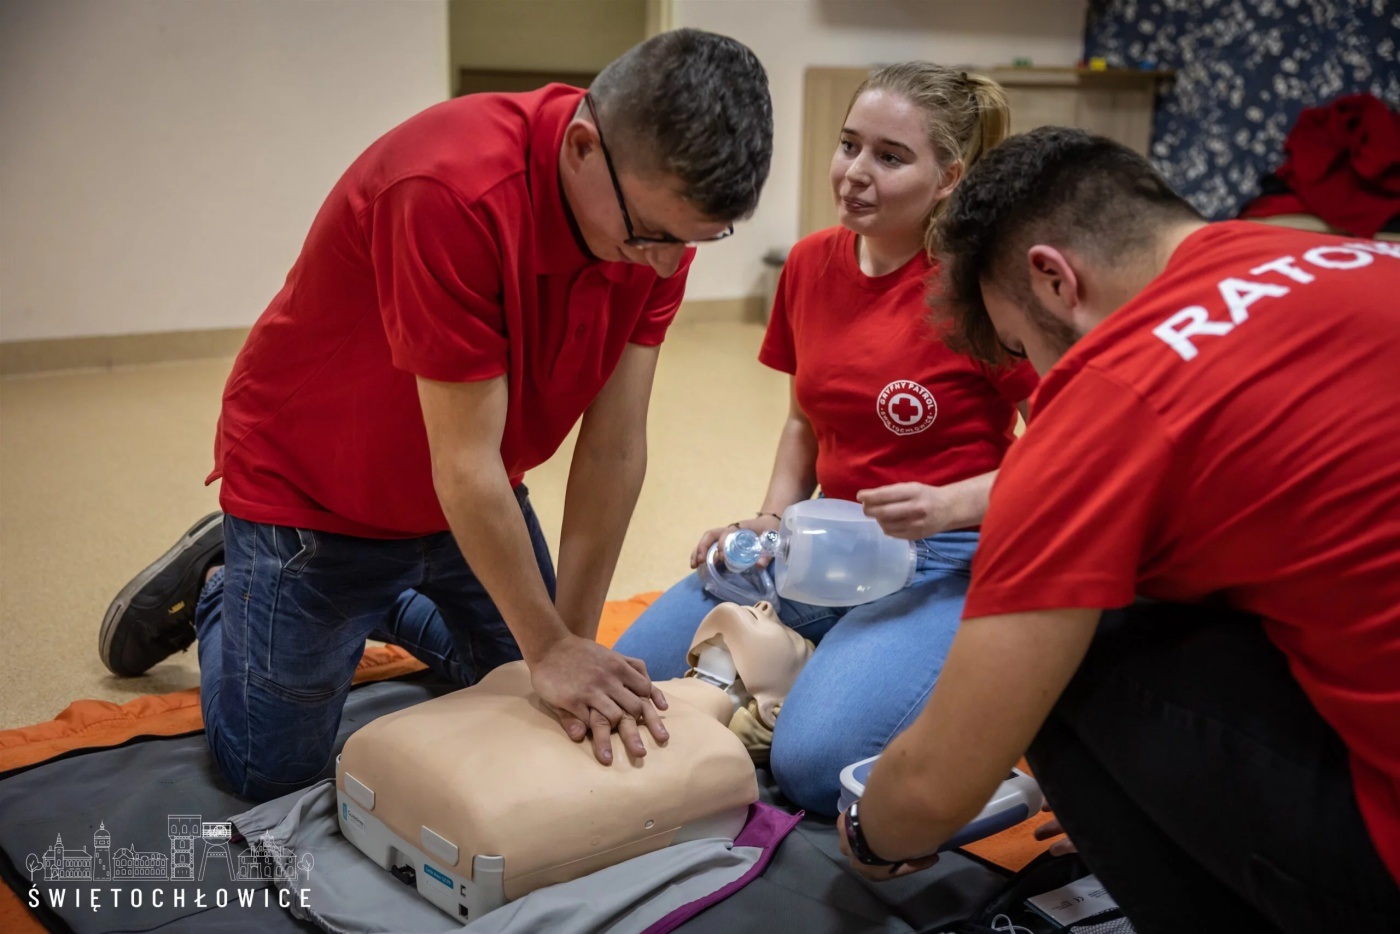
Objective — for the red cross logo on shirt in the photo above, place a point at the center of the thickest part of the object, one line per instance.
(906, 408)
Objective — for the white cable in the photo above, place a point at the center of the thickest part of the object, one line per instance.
(1011, 926)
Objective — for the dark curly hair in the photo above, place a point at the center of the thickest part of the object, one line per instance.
(695, 105)
(1054, 185)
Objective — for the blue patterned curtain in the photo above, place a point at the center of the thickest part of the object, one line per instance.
(1244, 70)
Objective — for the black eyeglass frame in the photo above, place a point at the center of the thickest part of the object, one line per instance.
(633, 240)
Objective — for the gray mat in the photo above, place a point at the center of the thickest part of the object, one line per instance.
(131, 793)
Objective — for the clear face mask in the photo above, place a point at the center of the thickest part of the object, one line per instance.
(744, 587)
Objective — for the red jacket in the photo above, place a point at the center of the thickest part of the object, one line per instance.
(1343, 165)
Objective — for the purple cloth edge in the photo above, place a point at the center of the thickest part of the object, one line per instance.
(765, 828)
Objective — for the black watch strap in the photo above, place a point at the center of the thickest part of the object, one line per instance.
(855, 838)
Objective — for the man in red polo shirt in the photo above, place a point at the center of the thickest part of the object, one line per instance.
(1214, 460)
(486, 275)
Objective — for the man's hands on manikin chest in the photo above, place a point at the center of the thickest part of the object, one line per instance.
(593, 689)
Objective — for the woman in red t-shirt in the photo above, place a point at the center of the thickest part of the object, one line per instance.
(881, 412)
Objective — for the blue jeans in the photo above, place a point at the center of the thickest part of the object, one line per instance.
(871, 674)
(282, 626)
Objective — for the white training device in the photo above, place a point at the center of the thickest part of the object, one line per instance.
(1017, 799)
(477, 798)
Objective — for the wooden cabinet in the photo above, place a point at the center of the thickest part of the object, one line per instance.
(1117, 103)
(826, 95)
(512, 80)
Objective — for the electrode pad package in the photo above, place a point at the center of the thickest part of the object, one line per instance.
(478, 797)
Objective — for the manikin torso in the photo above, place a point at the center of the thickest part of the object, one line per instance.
(483, 786)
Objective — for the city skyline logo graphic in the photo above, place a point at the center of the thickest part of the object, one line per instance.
(265, 860)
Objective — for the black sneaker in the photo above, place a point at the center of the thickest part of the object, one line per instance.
(153, 616)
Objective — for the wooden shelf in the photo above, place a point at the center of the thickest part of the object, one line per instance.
(1073, 76)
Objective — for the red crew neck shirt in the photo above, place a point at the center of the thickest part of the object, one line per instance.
(1233, 432)
(445, 251)
(887, 401)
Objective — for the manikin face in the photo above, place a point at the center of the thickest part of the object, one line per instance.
(653, 203)
(885, 176)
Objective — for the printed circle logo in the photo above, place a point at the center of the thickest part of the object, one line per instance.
(906, 408)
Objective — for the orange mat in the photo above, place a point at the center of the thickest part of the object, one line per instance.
(93, 724)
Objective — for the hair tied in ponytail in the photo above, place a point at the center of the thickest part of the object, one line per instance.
(966, 113)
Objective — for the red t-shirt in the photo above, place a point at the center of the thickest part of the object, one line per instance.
(1232, 431)
(887, 401)
(445, 251)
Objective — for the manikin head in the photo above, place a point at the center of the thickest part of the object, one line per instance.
(671, 146)
(766, 654)
(911, 133)
(1052, 232)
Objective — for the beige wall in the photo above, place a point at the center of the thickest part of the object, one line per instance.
(161, 160)
(558, 35)
(790, 35)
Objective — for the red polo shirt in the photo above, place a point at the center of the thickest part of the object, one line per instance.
(1232, 432)
(445, 251)
(887, 401)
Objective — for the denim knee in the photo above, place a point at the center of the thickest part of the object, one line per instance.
(247, 782)
(257, 788)
(808, 773)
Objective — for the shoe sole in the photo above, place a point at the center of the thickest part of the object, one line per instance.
(123, 599)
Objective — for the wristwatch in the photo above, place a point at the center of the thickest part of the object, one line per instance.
(855, 838)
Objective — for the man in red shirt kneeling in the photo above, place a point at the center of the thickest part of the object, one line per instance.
(1185, 608)
(485, 276)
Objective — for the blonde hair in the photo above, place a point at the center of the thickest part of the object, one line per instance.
(967, 116)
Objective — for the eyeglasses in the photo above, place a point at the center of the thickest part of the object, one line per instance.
(640, 243)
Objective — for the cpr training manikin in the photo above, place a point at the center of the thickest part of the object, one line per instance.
(478, 797)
